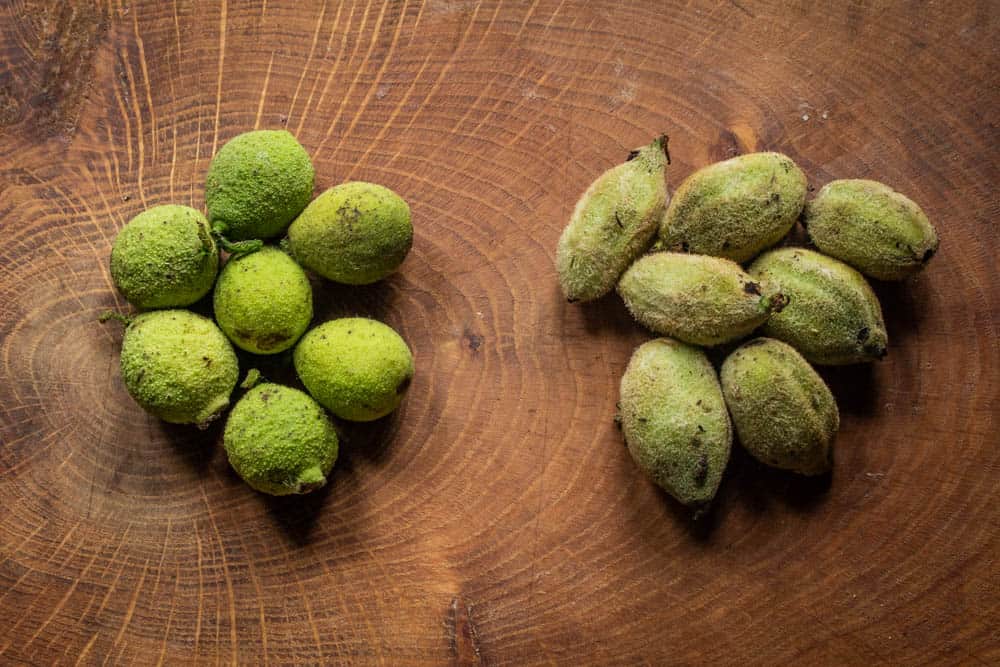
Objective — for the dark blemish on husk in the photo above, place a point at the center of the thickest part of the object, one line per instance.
(632, 155)
(752, 288)
(726, 245)
(701, 471)
(264, 396)
(928, 254)
(207, 360)
(863, 334)
(268, 341)
(876, 350)
(618, 221)
(778, 302)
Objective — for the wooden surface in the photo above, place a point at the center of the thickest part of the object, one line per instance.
(497, 518)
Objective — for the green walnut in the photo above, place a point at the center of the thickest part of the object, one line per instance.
(873, 228)
(357, 368)
(164, 258)
(263, 301)
(674, 420)
(178, 366)
(280, 441)
(698, 299)
(833, 317)
(355, 233)
(784, 413)
(256, 184)
(735, 208)
(613, 223)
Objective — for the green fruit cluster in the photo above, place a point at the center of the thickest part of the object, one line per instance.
(181, 366)
(813, 306)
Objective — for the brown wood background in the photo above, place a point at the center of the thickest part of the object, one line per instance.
(497, 518)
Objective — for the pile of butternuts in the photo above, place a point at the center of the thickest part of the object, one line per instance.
(676, 262)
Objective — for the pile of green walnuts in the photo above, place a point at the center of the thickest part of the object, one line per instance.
(181, 366)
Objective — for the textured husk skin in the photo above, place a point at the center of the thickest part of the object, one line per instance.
(783, 412)
(358, 369)
(674, 419)
(697, 299)
(257, 183)
(735, 208)
(355, 233)
(280, 441)
(263, 301)
(868, 225)
(613, 223)
(164, 257)
(178, 366)
(832, 317)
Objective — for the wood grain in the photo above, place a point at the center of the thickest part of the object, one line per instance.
(497, 517)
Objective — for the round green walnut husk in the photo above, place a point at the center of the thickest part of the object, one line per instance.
(357, 368)
(355, 233)
(868, 225)
(735, 208)
(833, 317)
(280, 441)
(263, 301)
(674, 420)
(257, 183)
(178, 366)
(164, 257)
(784, 413)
